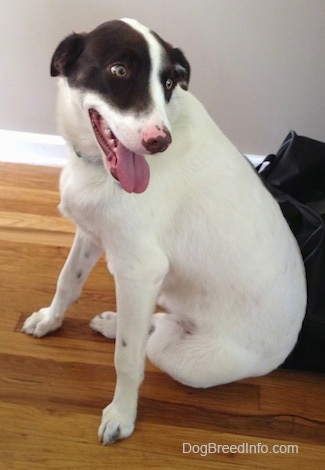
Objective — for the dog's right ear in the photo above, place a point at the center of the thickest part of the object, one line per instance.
(66, 54)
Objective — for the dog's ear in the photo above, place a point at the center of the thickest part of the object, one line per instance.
(182, 68)
(66, 54)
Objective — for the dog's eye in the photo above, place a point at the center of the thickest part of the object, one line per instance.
(169, 84)
(119, 70)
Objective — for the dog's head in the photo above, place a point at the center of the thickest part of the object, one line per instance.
(124, 76)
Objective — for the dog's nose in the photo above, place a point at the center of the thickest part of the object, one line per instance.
(156, 140)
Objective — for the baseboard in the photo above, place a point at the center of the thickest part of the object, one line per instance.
(31, 148)
(47, 150)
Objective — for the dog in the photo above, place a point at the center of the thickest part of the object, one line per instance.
(183, 218)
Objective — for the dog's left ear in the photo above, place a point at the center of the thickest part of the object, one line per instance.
(66, 54)
(182, 68)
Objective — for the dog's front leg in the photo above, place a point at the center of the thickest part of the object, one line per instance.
(135, 305)
(82, 258)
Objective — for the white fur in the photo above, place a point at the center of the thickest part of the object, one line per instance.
(205, 240)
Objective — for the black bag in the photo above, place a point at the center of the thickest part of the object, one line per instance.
(296, 178)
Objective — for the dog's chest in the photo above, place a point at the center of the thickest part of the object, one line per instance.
(98, 205)
(84, 198)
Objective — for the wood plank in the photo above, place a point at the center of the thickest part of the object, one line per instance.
(29, 222)
(31, 201)
(50, 238)
(29, 176)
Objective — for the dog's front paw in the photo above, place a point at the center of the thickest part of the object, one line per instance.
(114, 425)
(105, 323)
(41, 323)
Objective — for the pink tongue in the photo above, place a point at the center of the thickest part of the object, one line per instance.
(132, 170)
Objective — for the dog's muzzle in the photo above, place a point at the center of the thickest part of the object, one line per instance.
(129, 168)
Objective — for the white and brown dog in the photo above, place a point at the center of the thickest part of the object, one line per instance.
(182, 217)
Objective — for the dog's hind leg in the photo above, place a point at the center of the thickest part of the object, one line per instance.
(105, 323)
(82, 258)
(197, 359)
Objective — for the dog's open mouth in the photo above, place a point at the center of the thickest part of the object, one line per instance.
(129, 168)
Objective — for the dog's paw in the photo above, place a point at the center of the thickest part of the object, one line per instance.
(114, 426)
(105, 323)
(41, 323)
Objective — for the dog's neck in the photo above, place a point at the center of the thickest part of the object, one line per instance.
(96, 161)
(93, 160)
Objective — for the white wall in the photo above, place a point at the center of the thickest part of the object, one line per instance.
(258, 65)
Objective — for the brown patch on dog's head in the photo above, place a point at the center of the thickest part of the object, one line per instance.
(87, 61)
(93, 61)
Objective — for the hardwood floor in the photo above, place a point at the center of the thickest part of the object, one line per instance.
(52, 390)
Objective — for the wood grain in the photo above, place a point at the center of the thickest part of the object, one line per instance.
(52, 390)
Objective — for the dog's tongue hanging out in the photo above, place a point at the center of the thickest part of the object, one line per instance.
(129, 168)
(132, 170)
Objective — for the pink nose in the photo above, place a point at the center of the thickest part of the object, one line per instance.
(156, 139)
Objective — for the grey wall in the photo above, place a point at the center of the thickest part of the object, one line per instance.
(257, 65)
